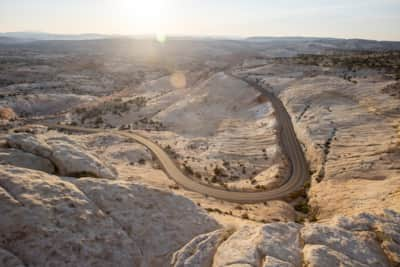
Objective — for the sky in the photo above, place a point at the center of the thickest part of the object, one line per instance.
(368, 19)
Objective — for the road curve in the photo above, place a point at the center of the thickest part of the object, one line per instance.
(289, 143)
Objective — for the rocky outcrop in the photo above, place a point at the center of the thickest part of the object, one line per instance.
(9, 260)
(30, 144)
(384, 228)
(159, 222)
(326, 244)
(7, 114)
(73, 161)
(49, 221)
(349, 131)
(200, 251)
(25, 160)
(69, 159)
(256, 245)
(362, 240)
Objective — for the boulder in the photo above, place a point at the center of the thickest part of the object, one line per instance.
(133, 153)
(73, 161)
(343, 246)
(200, 251)
(7, 259)
(30, 143)
(69, 159)
(274, 262)
(320, 255)
(25, 160)
(362, 240)
(386, 228)
(7, 114)
(258, 245)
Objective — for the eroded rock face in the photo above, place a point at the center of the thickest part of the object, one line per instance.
(385, 228)
(250, 245)
(48, 222)
(342, 246)
(25, 160)
(93, 222)
(159, 222)
(30, 143)
(7, 114)
(73, 161)
(7, 259)
(200, 251)
(362, 240)
(69, 159)
(350, 132)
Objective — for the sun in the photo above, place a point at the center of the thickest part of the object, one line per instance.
(145, 16)
(144, 10)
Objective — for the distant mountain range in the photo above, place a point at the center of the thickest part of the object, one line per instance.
(285, 42)
(41, 36)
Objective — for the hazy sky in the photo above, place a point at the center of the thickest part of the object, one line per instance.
(372, 19)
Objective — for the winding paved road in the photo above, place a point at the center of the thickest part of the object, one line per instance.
(289, 143)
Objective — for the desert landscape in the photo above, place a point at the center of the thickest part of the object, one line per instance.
(259, 152)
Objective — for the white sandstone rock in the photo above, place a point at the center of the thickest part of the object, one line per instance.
(69, 159)
(200, 251)
(159, 222)
(250, 245)
(25, 160)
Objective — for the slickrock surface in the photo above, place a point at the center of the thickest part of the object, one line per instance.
(250, 245)
(9, 260)
(350, 131)
(69, 159)
(25, 160)
(361, 240)
(159, 222)
(44, 104)
(200, 251)
(7, 114)
(221, 131)
(46, 221)
(92, 222)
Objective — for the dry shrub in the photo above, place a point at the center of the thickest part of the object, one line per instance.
(7, 113)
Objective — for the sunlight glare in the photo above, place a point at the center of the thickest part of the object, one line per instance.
(178, 80)
(148, 10)
(161, 38)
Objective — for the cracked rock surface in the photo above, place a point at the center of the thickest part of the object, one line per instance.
(350, 133)
(69, 158)
(361, 240)
(25, 160)
(49, 221)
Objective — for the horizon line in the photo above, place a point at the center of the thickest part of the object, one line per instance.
(174, 35)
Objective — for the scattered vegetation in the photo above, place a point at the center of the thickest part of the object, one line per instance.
(245, 216)
(115, 106)
(302, 207)
(392, 90)
(387, 61)
(7, 114)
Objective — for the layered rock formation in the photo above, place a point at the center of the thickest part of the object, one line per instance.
(362, 240)
(47, 220)
(349, 129)
(69, 159)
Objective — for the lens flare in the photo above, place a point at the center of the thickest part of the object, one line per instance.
(161, 38)
(178, 80)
